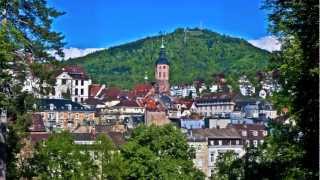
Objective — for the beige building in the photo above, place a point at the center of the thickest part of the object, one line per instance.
(61, 114)
(200, 146)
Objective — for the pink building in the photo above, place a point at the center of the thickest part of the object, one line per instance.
(162, 72)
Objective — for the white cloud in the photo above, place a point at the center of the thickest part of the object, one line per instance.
(269, 43)
(75, 52)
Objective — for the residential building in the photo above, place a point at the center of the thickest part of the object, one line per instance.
(61, 114)
(183, 91)
(252, 134)
(126, 111)
(246, 87)
(72, 82)
(200, 159)
(219, 141)
(217, 122)
(190, 123)
(210, 106)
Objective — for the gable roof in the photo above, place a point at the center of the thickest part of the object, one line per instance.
(94, 89)
(214, 133)
(76, 72)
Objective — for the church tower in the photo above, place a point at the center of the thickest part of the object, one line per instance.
(162, 71)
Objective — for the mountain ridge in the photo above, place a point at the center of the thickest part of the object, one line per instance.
(193, 54)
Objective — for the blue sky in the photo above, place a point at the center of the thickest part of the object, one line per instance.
(101, 23)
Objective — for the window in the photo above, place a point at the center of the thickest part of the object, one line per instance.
(212, 157)
(81, 100)
(212, 172)
(237, 142)
(220, 142)
(77, 116)
(76, 82)
(51, 107)
(265, 133)
(244, 133)
(164, 74)
(76, 99)
(164, 67)
(248, 142)
(64, 81)
(82, 82)
(76, 91)
(211, 142)
(51, 116)
(255, 143)
(159, 74)
(81, 92)
(255, 133)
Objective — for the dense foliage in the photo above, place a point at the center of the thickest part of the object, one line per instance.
(60, 158)
(159, 153)
(292, 149)
(150, 153)
(199, 55)
(25, 32)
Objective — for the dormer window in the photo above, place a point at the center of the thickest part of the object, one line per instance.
(255, 133)
(51, 106)
(69, 107)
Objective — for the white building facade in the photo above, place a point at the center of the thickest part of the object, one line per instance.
(74, 83)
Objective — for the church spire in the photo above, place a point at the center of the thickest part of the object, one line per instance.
(162, 43)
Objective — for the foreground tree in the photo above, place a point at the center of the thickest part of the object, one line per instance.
(291, 151)
(228, 167)
(60, 158)
(25, 31)
(159, 153)
(297, 24)
(110, 161)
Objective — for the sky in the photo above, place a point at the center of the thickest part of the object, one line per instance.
(90, 25)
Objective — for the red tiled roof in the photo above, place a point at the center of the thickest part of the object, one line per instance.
(94, 89)
(142, 88)
(113, 92)
(73, 69)
(76, 72)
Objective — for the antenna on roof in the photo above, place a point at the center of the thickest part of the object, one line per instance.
(162, 43)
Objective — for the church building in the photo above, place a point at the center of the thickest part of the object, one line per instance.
(162, 72)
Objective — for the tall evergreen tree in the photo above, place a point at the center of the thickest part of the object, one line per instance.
(25, 31)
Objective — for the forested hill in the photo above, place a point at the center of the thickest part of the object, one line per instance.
(192, 54)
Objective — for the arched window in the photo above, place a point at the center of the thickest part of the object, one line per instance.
(159, 74)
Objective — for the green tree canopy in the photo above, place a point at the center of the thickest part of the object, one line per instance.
(159, 153)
